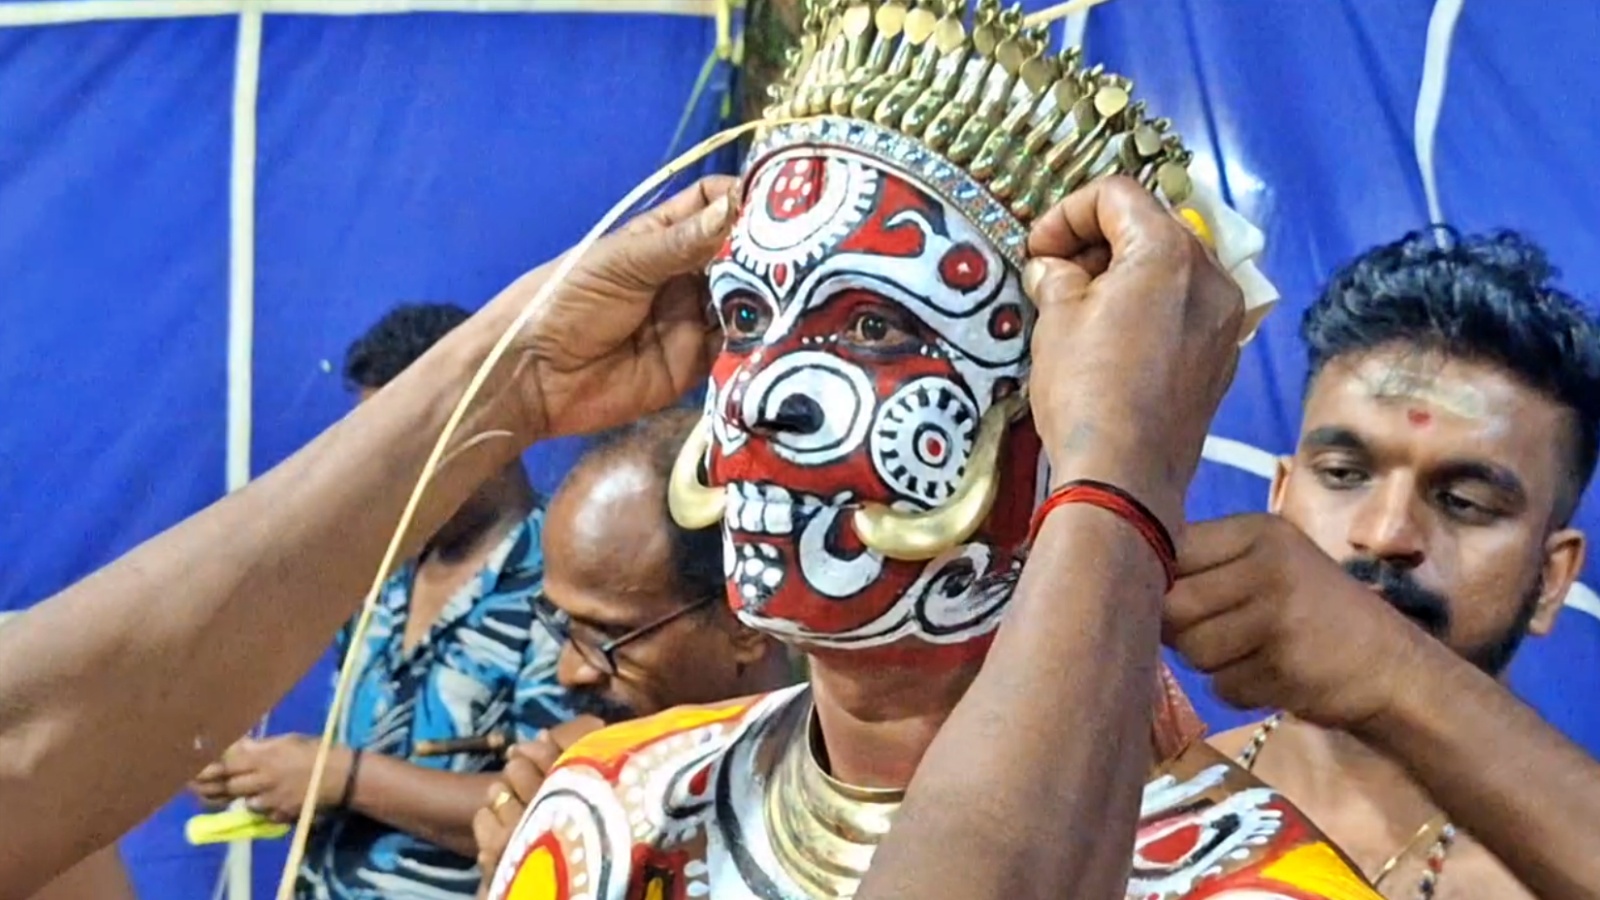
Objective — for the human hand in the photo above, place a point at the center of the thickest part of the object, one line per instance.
(271, 776)
(527, 764)
(210, 787)
(1278, 624)
(628, 330)
(1135, 343)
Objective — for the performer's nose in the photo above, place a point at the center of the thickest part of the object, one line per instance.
(797, 414)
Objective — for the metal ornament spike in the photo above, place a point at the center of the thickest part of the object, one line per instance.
(965, 97)
(976, 89)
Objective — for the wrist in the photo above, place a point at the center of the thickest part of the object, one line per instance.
(500, 407)
(338, 779)
(1151, 483)
(1407, 695)
(1117, 544)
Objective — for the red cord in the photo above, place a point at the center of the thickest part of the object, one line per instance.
(1113, 499)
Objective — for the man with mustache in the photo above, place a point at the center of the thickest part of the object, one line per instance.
(637, 610)
(1449, 432)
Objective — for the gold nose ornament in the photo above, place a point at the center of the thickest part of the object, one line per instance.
(897, 535)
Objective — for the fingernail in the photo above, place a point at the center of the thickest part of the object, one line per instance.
(715, 216)
(1032, 274)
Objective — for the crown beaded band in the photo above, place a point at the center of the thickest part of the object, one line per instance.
(984, 101)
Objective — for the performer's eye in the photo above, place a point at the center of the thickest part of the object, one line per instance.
(744, 319)
(879, 329)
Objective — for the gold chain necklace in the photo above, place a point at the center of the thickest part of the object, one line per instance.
(1438, 826)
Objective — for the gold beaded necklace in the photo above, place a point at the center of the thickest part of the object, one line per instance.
(1438, 827)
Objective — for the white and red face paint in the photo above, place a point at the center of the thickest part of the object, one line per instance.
(869, 327)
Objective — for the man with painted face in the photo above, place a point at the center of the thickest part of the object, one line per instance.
(1450, 428)
(868, 447)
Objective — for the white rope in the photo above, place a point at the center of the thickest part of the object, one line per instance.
(1239, 455)
(1430, 97)
(237, 866)
(1581, 598)
(221, 888)
(241, 248)
(60, 12)
(1073, 28)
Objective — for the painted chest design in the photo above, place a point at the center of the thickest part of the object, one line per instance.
(675, 807)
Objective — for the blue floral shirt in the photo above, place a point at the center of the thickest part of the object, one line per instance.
(486, 666)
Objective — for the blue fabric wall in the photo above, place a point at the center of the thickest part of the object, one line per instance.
(435, 157)
(114, 146)
(400, 158)
(1303, 113)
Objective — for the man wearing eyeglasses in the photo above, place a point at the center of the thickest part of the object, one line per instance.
(638, 605)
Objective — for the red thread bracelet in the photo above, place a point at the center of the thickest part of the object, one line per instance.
(1115, 500)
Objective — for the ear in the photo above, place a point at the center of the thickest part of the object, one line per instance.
(1563, 560)
(749, 645)
(1280, 484)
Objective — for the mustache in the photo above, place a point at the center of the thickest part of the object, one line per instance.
(607, 710)
(1428, 609)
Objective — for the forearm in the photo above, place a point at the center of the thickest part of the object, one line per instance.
(435, 806)
(100, 877)
(1500, 772)
(1036, 776)
(171, 652)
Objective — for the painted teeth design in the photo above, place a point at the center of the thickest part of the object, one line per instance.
(758, 571)
(755, 508)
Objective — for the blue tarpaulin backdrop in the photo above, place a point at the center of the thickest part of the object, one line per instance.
(437, 156)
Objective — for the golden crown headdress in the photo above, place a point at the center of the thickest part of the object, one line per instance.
(968, 99)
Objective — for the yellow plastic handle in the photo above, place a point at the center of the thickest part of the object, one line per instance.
(232, 825)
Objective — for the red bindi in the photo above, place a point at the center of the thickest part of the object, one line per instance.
(1418, 417)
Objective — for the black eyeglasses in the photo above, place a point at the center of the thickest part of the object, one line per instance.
(604, 656)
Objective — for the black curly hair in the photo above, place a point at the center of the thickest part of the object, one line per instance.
(1488, 298)
(396, 341)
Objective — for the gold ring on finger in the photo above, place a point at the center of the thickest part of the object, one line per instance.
(504, 797)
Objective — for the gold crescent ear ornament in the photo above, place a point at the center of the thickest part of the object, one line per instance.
(694, 505)
(925, 535)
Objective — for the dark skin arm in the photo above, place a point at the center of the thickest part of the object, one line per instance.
(1257, 607)
(435, 806)
(100, 877)
(1134, 322)
(1503, 774)
(123, 659)
(1049, 813)
(173, 651)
